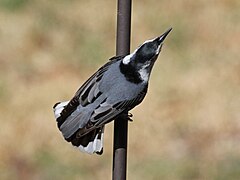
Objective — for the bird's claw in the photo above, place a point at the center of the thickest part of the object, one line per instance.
(129, 115)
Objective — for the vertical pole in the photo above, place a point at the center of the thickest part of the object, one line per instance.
(121, 124)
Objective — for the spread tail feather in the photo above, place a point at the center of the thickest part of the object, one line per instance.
(95, 142)
(58, 107)
(91, 142)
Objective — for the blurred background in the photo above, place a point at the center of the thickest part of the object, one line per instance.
(188, 126)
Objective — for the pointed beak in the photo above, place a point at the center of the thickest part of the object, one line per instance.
(163, 36)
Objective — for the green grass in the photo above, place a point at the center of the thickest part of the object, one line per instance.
(13, 4)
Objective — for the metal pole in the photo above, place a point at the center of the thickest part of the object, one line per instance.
(121, 124)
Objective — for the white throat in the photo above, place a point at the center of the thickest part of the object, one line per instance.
(143, 73)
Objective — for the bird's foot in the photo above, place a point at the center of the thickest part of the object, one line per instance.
(129, 115)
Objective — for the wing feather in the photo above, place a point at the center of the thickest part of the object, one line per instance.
(107, 112)
(85, 95)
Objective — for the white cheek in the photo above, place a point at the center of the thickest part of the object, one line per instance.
(144, 74)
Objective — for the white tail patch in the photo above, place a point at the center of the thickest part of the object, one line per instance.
(58, 108)
(95, 146)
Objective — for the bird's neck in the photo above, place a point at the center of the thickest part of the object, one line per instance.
(131, 73)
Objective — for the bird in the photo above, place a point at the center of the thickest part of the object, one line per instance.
(113, 90)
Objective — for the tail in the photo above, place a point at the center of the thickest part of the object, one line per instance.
(91, 142)
(58, 107)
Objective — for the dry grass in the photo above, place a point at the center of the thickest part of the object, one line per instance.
(189, 124)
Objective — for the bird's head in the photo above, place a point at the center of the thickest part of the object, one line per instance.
(143, 58)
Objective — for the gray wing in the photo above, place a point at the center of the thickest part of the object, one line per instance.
(75, 122)
(69, 119)
(106, 112)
